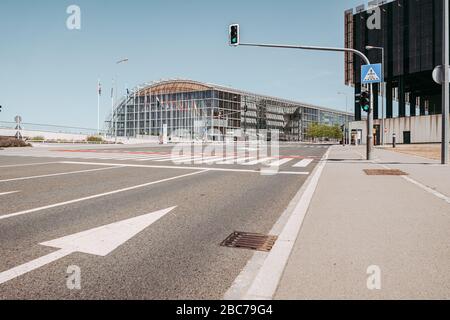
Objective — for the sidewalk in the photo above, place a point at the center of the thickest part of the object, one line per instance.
(401, 224)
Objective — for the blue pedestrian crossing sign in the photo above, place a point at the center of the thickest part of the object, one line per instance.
(371, 73)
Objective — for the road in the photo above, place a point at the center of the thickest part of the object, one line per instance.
(48, 193)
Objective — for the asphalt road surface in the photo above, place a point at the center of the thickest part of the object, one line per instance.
(48, 193)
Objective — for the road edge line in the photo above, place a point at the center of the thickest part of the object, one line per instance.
(252, 283)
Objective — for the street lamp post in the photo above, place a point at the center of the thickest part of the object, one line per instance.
(99, 93)
(245, 119)
(113, 96)
(383, 86)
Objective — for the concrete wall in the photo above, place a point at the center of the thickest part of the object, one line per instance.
(424, 129)
(45, 134)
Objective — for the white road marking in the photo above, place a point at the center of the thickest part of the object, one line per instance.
(420, 185)
(128, 157)
(227, 160)
(182, 168)
(173, 158)
(57, 174)
(189, 160)
(279, 163)
(240, 160)
(7, 193)
(100, 241)
(217, 160)
(154, 159)
(209, 160)
(254, 162)
(20, 213)
(262, 274)
(428, 189)
(304, 163)
(32, 265)
(124, 159)
(28, 164)
(176, 159)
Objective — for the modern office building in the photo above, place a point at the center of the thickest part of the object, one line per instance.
(410, 32)
(185, 109)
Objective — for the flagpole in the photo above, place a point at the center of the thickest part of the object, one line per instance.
(112, 110)
(98, 106)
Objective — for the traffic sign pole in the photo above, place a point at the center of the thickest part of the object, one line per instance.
(371, 74)
(370, 126)
(445, 86)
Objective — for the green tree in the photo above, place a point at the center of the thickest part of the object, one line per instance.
(313, 131)
(323, 131)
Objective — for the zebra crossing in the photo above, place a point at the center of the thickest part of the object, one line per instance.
(141, 157)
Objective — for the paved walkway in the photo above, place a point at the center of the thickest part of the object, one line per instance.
(400, 224)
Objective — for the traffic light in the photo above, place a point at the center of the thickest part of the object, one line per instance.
(0, 108)
(364, 101)
(234, 35)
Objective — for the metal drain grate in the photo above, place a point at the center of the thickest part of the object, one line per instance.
(252, 241)
(385, 172)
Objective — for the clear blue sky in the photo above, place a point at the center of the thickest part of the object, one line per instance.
(48, 74)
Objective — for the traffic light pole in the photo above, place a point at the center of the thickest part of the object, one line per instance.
(370, 126)
(332, 49)
(445, 87)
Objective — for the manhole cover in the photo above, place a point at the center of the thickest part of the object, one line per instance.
(252, 241)
(385, 172)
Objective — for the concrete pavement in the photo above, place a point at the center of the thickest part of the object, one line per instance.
(399, 225)
(177, 257)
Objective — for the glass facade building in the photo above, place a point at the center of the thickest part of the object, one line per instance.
(185, 109)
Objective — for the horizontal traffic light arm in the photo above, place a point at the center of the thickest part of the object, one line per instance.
(358, 53)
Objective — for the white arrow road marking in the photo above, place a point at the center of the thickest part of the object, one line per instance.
(99, 241)
(6, 193)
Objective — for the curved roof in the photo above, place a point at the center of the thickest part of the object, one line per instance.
(185, 85)
(172, 86)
